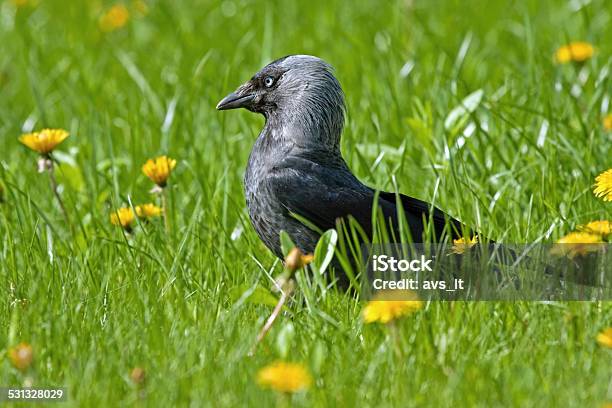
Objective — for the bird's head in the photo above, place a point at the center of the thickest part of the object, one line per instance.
(298, 91)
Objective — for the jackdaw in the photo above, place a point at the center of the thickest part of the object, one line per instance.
(296, 167)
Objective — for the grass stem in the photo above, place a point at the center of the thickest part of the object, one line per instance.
(285, 293)
(164, 199)
(53, 183)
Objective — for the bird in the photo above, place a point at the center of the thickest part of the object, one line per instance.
(296, 171)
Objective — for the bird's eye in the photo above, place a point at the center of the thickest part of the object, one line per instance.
(268, 81)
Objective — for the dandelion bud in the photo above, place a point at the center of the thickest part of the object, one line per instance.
(21, 356)
(138, 375)
(296, 259)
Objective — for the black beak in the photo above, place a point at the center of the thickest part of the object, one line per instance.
(238, 99)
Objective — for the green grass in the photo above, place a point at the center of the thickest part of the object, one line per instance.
(97, 303)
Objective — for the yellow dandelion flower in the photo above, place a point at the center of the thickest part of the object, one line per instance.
(461, 245)
(159, 169)
(602, 227)
(605, 338)
(296, 259)
(577, 51)
(603, 185)
(116, 17)
(21, 356)
(607, 121)
(148, 211)
(580, 238)
(390, 305)
(577, 243)
(284, 377)
(123, 217)
(45, 141)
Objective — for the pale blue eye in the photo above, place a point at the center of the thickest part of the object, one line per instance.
(268, 81)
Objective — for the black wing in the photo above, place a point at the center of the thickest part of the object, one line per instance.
(438, 218)
(323, 194)
(320, 194)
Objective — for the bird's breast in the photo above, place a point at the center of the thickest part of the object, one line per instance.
(265, 212)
